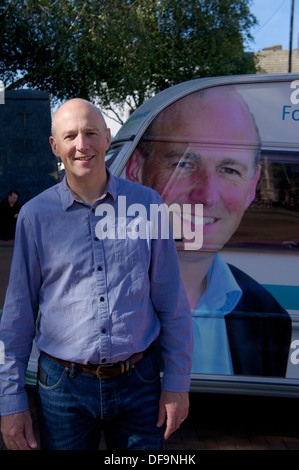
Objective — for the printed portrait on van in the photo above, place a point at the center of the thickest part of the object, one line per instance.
(207, 149)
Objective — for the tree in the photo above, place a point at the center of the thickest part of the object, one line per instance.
(121, 51)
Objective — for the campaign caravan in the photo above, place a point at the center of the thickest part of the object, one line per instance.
(231, 146)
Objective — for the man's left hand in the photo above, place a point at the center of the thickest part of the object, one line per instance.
(174, 409)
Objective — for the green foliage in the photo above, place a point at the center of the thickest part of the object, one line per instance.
(118, 51)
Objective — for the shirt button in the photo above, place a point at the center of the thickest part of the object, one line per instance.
(100, 268)
(104, 360)
(104, 330)
(102, 299)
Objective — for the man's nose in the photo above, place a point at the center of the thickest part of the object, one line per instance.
(204, 189)
(81, 142)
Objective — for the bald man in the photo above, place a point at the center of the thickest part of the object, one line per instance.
(100, 304)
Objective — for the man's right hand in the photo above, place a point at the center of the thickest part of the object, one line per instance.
(17, 431)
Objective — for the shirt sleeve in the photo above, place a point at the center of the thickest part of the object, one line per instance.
(18, 322)
(172, 307)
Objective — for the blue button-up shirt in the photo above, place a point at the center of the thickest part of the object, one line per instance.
(211, 354)
(91, 298)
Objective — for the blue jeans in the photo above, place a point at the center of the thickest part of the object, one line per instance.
(74, 408)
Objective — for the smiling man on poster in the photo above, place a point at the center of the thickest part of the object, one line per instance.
(204, 149)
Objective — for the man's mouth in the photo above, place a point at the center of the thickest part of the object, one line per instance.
(195, 220)
(84, 159)
(209, 220)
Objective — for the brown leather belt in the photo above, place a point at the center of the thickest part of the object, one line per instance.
(103, 371)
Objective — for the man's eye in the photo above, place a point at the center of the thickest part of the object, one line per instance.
(182, 164)
(230, 171)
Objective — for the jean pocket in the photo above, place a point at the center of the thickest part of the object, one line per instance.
(50, 378)
(147, 370)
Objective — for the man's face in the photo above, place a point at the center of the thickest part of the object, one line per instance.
(210, 167)
(80, 139)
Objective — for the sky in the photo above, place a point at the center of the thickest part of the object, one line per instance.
(274, 17)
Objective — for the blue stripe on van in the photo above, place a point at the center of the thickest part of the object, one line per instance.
(287, 296)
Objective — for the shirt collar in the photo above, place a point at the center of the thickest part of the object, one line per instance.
(68, 197)
(222, 292)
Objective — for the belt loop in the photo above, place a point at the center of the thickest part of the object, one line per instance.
(72, 373)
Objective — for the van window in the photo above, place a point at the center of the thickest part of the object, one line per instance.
(272, 220)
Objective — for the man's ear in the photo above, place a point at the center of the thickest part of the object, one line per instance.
(134, 167)
(53, 146)
(252, 190)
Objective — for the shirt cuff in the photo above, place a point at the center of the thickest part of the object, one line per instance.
(11, 404)
(176, 383)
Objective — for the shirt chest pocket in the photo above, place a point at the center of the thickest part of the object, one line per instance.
(131, 244)
(131, 253)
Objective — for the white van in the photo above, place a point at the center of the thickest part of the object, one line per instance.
(265, 245)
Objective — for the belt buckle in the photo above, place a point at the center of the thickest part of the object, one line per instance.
(124, 367)
(99, 373)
